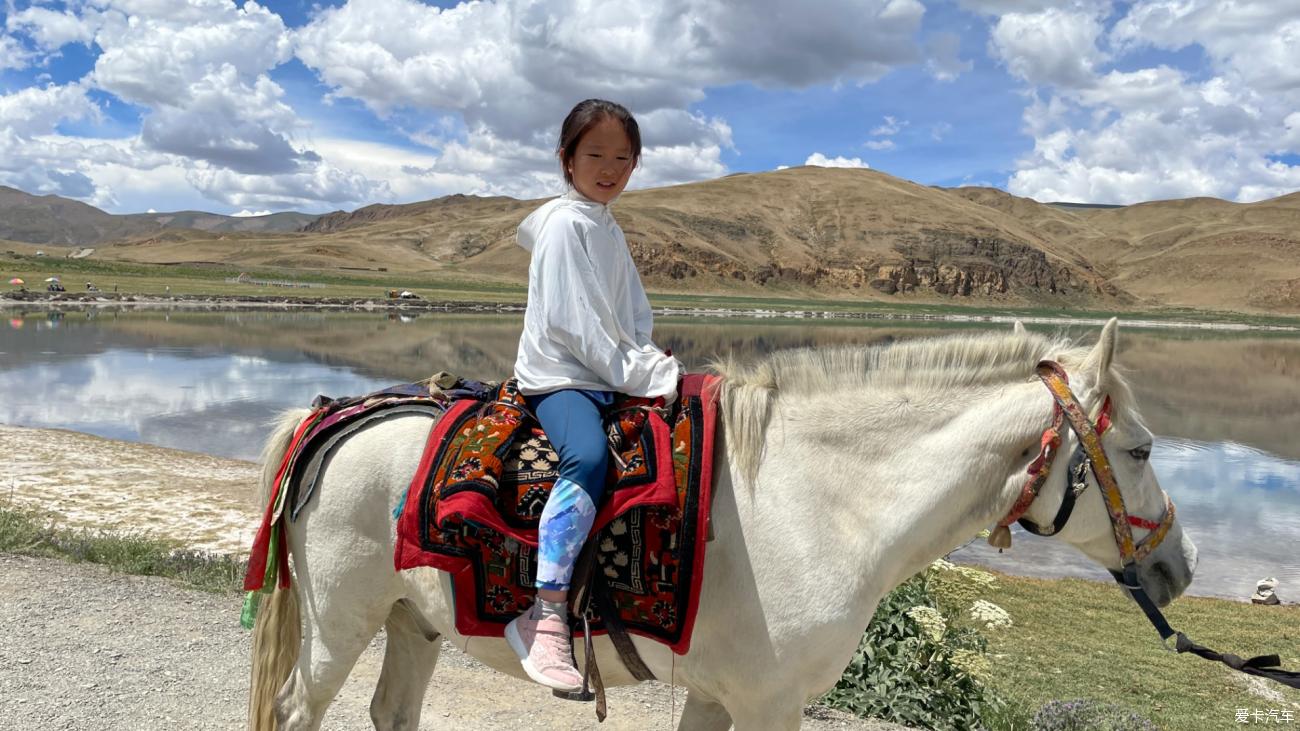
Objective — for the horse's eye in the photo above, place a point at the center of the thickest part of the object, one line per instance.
(1142, 453)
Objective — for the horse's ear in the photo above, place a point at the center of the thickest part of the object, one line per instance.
(1018, 328)
(1096, 367)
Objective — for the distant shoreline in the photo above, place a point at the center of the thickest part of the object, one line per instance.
(104, 300)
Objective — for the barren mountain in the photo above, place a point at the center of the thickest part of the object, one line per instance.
(829, 232)
(56, 221)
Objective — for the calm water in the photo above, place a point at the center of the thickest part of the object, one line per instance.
(1226, 409)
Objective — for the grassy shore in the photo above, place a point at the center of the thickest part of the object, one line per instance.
(1076, 639)
(154, 280)
(35, 534)
(1071, 639)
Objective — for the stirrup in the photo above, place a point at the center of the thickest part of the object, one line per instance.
(585, 695)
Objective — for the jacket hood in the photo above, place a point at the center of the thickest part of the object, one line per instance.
(531, 228)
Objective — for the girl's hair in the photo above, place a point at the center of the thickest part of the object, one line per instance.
(588, 114)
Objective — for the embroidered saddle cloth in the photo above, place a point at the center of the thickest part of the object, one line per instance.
(474, 504)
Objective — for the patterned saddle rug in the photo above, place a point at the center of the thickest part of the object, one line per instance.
(473, 507)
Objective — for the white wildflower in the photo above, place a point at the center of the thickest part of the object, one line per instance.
(930, 620)
(972, 663)
(990, 615)
(942, 565)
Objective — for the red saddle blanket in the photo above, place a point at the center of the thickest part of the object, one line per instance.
(473, 507)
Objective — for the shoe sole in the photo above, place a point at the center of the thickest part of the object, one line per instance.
(517, 644)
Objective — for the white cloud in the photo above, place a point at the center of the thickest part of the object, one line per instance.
(821, 160)
(249, 214)
(1052, 47)
(1122, 136)
(1256, 41)
(213, 121)
(1000, 7)
(12, 53)
(890, 127)
(512, 69)
(307, 188)
(154, 51)
(36, 110)
(879, 144)
(50, 29)
(230, 123)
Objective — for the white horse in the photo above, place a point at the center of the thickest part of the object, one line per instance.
(841, 473)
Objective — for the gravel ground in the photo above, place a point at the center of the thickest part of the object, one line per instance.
(86, 648)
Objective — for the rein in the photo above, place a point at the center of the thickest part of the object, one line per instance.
(1089, 456)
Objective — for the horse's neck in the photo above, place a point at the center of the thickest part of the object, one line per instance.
(899, 479)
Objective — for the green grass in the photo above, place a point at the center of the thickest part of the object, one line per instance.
(32, 533)
(201, 279)
(1077, 639)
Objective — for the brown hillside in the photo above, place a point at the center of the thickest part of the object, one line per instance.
(833, 232)
(798, 231)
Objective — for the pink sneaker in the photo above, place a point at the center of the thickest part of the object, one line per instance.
(544, 649)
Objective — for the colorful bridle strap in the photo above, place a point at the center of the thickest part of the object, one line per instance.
(1053, 376)
(1090, 453)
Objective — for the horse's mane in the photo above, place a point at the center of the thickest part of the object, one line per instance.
(749, 390)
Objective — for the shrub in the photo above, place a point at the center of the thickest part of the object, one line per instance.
(919, 663)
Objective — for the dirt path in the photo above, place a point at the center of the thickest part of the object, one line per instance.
(84, 648)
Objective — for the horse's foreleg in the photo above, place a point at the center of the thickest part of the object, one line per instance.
(410, 655)
(701, 714)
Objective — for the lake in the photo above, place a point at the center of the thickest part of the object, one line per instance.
(1225, 407)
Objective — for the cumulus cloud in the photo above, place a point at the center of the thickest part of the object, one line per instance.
(36, 110)
(212, 116)
(50, 29)
(1122, 136)
(512, 69)
(820, 160)
(250, 214)
(1053, 47)
(307, 188)
(229, 123)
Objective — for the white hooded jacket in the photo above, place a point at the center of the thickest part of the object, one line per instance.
(588, 320)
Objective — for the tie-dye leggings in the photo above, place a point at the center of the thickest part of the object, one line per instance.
(573, 420)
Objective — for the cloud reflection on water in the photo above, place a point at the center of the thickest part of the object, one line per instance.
(216, 404)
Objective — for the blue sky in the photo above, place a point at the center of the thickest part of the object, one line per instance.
(239, 107)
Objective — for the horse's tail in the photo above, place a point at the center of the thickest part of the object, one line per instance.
(273, 451)
(277, 634)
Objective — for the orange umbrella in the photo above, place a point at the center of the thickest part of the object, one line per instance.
(16, 280)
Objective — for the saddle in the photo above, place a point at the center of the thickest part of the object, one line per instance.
(473, 508)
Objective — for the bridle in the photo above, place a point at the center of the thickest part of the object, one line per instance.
(1088, 457)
